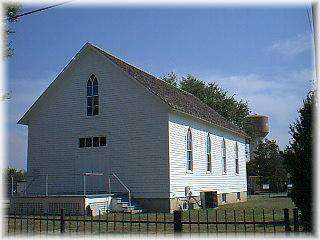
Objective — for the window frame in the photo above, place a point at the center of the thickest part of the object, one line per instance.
(86, 139)
(237, 159)
(88, 142)
(189, 151)
(209, 154)
(80, 143)
(105, 141)
(247, 150)
(93, 101)
(93, 142)
(224, 156)
(223, 197)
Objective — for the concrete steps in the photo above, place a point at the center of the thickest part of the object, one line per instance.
(120, 203)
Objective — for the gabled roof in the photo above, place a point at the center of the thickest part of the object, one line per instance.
(175, 98)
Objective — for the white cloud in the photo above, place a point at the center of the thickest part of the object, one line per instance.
(292, 46)
(278, 96)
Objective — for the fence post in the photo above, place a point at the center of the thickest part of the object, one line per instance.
(286, 220)
(295, 220)
(177, 223)
(62, 222)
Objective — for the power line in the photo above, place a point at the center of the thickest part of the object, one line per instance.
(40, 9)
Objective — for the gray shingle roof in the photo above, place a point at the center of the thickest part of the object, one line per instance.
(174, 97)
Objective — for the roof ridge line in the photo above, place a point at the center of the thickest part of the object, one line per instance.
(147, 73)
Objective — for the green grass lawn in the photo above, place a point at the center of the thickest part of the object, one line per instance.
(256, 208)
(272, 207)
(261, 202)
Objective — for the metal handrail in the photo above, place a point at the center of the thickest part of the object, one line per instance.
(119, 180)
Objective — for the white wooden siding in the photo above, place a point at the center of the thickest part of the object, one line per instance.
(199, 179)
(134, 121)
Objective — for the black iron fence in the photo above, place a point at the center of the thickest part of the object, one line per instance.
(193, 221)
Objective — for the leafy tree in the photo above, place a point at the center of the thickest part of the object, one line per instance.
(214, 96)
(18, 175)
(218, 99)
(170, 78)
(194, 86)
(298, 160)
(268, 164)
(251, 167)
(11, 11)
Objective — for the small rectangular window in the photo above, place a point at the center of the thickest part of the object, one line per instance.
(81, 142)
(224, 197)
(96, 141)
(103, 141)
(89, 142)
(238, 196)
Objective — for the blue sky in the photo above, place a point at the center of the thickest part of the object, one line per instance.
(262, 55)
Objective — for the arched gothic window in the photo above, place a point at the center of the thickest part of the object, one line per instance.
(189, 151)
(92, 96)
(224, 156)
(209, 165)
(237, 158)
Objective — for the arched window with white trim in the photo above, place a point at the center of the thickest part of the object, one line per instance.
(237, 158)
(224, 156)
(189, 151)
(92, 96)
(209, 165)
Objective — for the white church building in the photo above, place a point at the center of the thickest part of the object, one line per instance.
(102, 115)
